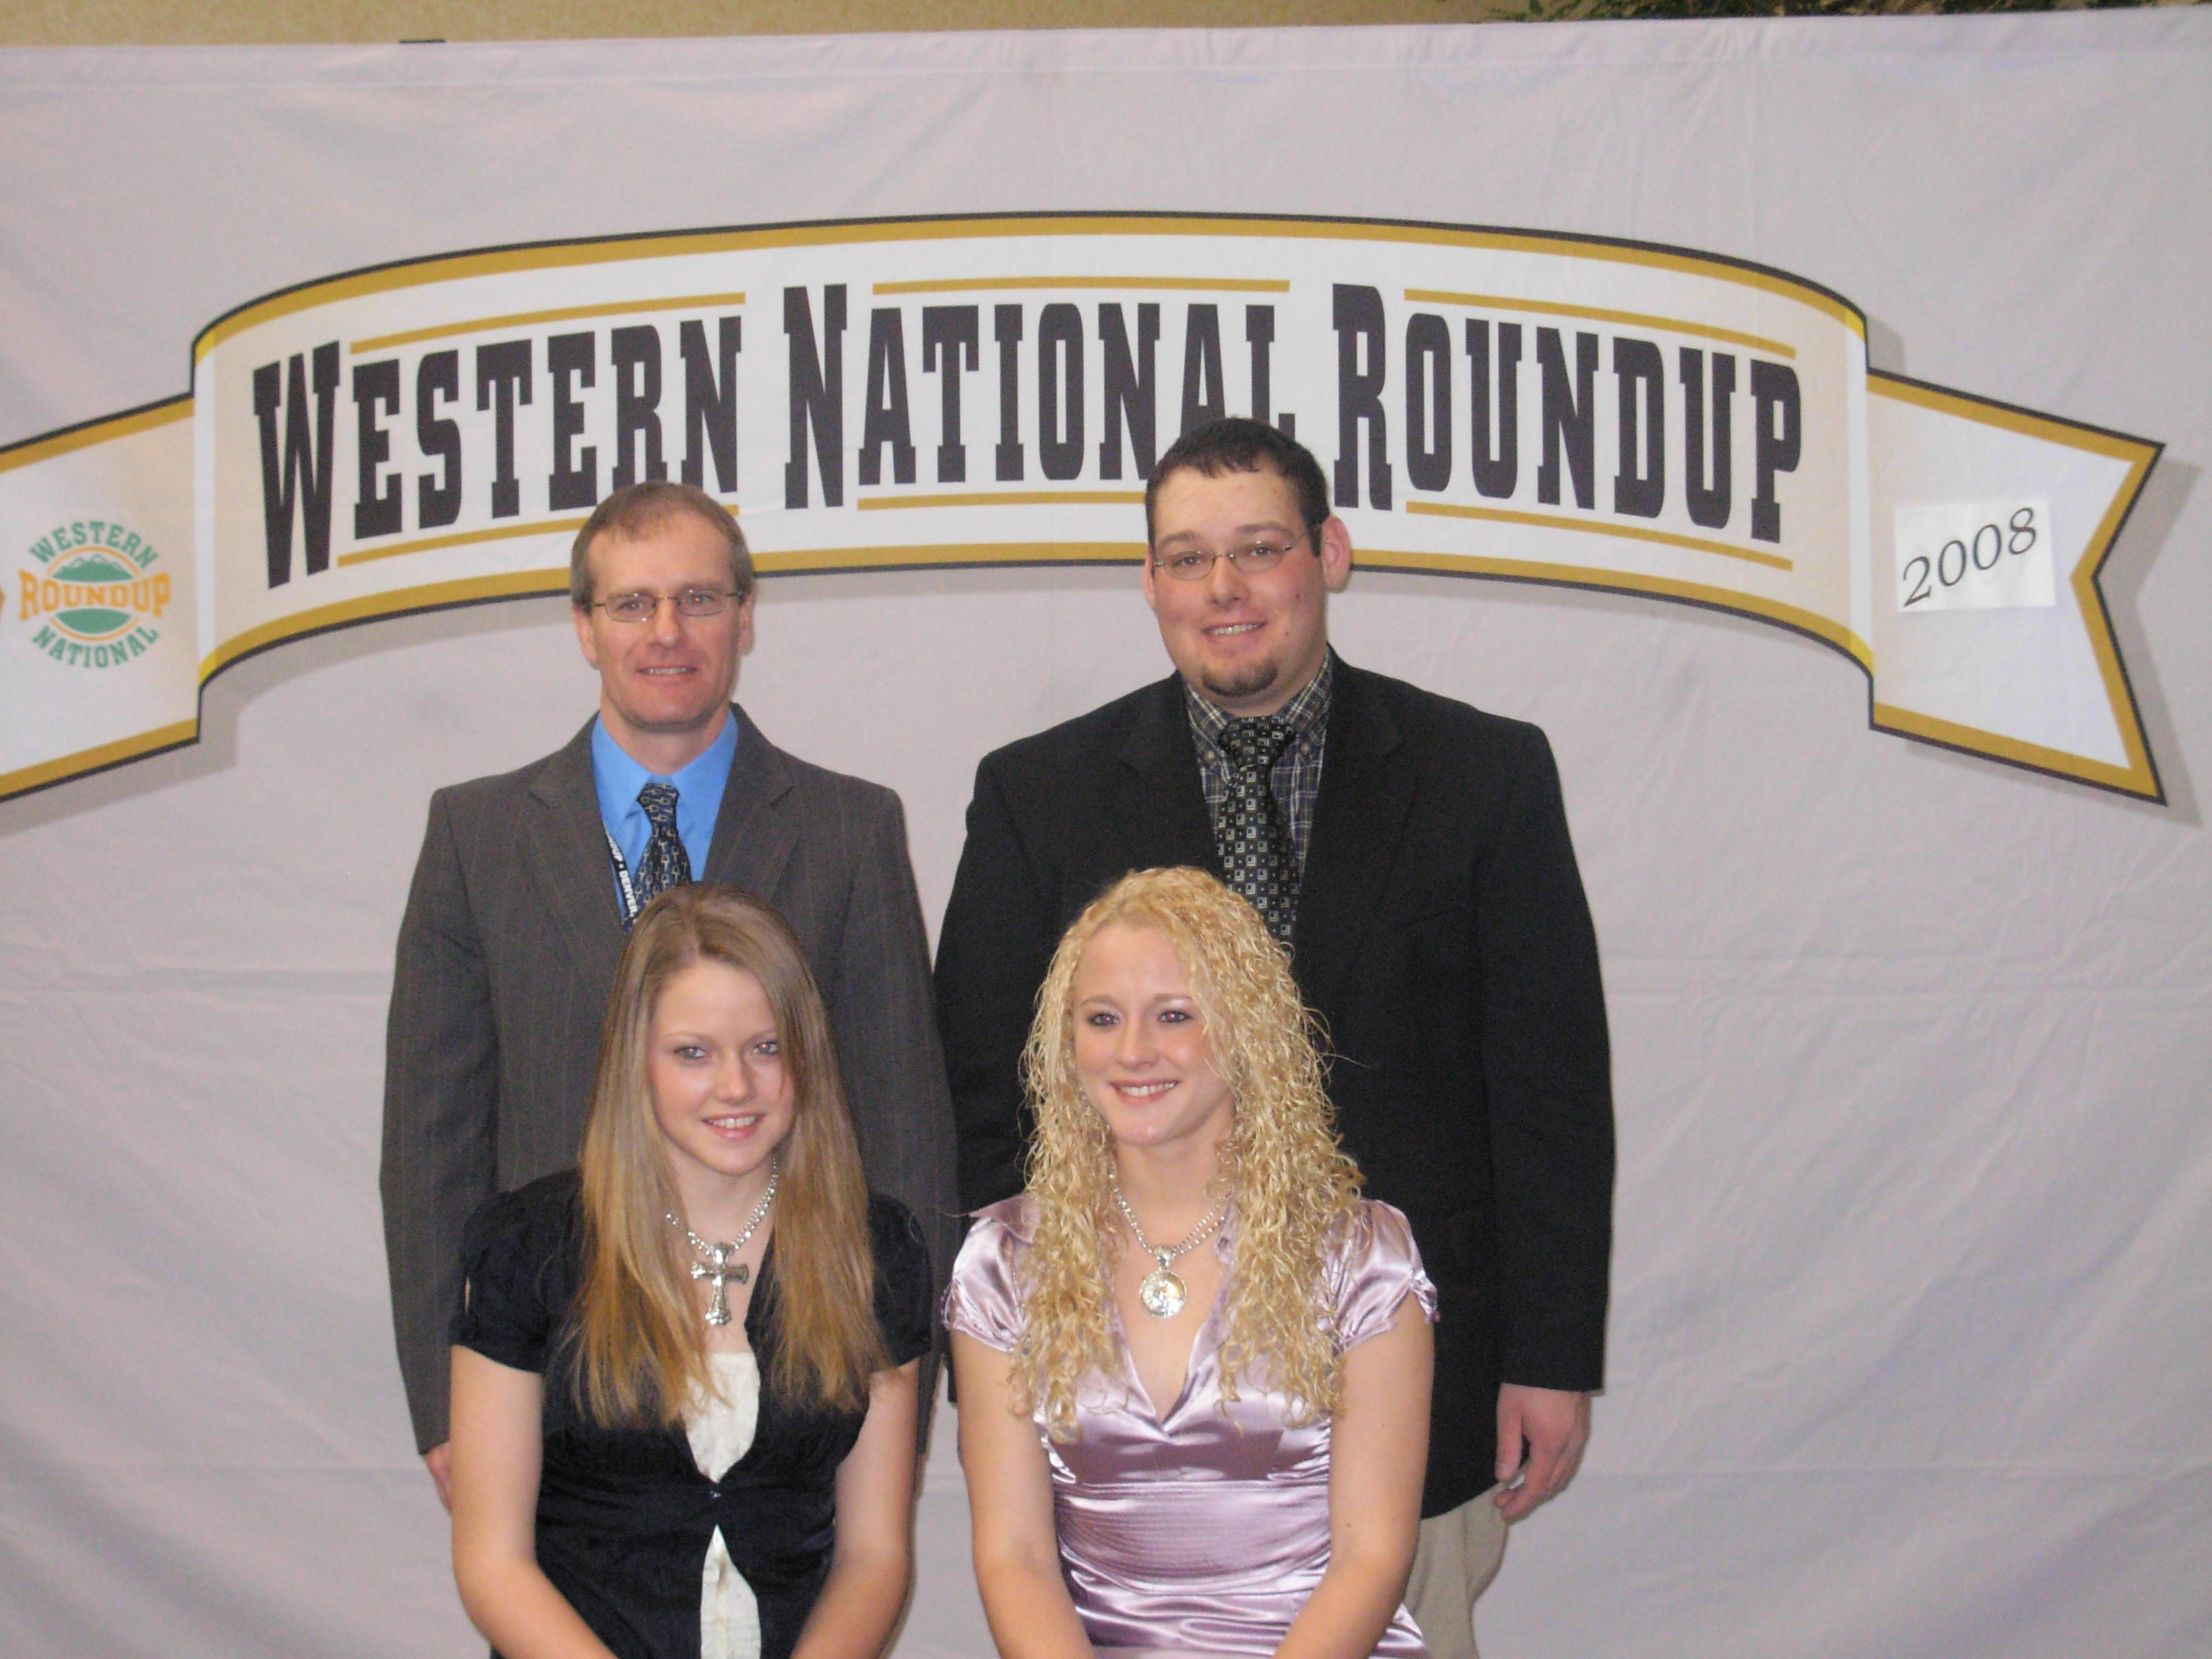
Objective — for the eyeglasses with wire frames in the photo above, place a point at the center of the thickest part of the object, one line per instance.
(694, 603)
(1193, 564)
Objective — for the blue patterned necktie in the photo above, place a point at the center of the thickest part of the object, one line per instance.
(1257, 853)
(666, 864)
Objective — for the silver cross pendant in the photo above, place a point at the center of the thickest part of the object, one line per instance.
(721, 1271)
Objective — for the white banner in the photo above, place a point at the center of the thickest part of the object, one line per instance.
(1561, 409)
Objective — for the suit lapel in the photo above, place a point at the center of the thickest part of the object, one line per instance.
(565, 844)
(754, 832)
(1367, 783)
(1157, 799)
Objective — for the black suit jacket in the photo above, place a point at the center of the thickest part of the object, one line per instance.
(506, 957)
(1443, 939)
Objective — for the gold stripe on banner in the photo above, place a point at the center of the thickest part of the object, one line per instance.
(545, 256)
(2139, 776)
(1989, 412)
(536, 584)
(1628, 253)
(808, 561)
(463, 538)
(86, 762)
(102, 431)
(559, 314)
(1009, 498)
(439, 596)
(1169, 284)
(1561, 521)
(1598, 314)
(1972, 740)
(1809, 622)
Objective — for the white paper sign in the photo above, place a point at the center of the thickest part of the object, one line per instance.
(1986, 556)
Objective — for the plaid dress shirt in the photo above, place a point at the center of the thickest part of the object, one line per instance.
(1295, 779)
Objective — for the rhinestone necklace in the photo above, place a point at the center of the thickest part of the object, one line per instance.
(715, 1261)
(1161, 1292)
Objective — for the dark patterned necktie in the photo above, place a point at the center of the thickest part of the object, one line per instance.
(1257, 853)
(666, 864)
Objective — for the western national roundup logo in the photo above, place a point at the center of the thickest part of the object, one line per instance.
(1572, 411)
(92, 593)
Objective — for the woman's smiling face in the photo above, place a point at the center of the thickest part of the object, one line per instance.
(721, 1092)
(1141, 1046)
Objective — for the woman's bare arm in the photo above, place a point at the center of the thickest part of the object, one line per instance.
(1010, 1497)
(871, 1563)
(498, 1445)
(1378, 1450)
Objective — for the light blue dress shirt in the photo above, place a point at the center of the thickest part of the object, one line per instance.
(698, 789)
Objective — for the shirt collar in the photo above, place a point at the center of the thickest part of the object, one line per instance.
(618, 777)
(1306, 714)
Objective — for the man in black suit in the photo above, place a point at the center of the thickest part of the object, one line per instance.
(1413, 853)
(526, 883)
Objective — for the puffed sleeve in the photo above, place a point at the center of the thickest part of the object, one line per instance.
(1379, 1269)
(902, 1278)
(984, 1300)
(507, 1261)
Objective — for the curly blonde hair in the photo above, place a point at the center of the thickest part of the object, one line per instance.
(1295, 1192)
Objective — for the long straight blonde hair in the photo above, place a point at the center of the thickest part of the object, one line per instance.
(640, 1344)
(1294, 1191)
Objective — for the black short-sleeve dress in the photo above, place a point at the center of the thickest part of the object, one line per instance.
(624, 1515)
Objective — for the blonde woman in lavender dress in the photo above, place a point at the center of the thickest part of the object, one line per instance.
(1193, 1364)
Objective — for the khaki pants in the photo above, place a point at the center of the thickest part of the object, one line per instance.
(1456, 1558)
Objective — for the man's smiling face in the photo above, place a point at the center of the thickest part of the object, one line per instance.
(665, 684)
(1247, 640)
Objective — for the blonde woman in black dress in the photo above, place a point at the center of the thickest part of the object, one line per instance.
(684, 1377)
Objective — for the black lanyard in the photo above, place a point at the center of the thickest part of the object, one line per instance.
(625, 888)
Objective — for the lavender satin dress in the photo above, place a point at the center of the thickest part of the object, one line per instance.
(1202, 1530)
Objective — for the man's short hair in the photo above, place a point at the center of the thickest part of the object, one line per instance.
(1239, 445)
(643, 509)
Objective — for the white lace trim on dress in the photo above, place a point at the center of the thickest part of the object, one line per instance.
(721, 1430)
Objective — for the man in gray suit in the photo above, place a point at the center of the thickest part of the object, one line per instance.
(528, 883)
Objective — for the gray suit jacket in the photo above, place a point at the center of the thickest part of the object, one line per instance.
(506, 956)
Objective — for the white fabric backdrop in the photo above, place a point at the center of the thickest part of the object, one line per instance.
(1913, 1053)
